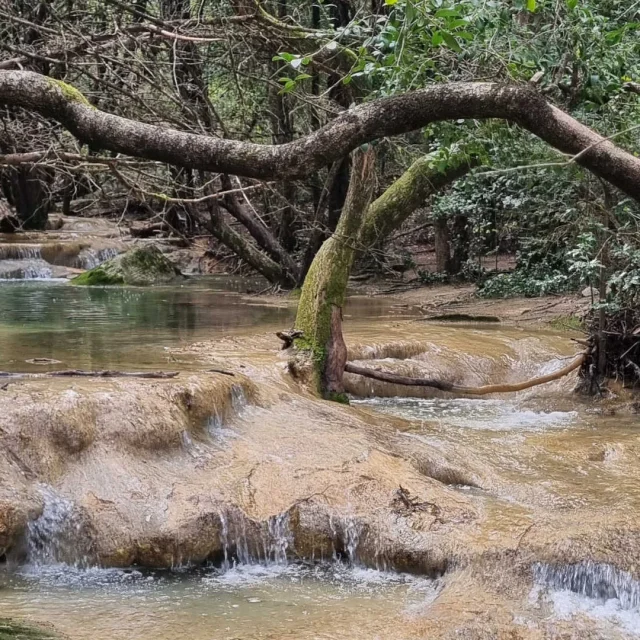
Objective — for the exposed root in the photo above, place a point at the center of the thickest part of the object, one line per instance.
(394, 378)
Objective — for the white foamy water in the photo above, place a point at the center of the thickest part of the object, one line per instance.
(493, 414)
(596, 590)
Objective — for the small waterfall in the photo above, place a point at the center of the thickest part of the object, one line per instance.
(280, 538)
(592, 580)
(58, 535)
(91, 258)
(351, 538)
(13, 251)
(224, 539)
(25, 269)
(247, 542)
(238, 398)
(346, 534)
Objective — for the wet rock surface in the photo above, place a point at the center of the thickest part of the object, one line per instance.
(250, 467)
(142, 266)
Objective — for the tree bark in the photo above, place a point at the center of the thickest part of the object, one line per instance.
(319, 314)
(385, 117)
(442, 245)
(409, 192)
(259, 232)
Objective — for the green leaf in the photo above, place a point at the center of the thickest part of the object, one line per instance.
(531, 5)
(447, 13)
(572, 4)
(436, 38)
(390, 3)
(451, 42)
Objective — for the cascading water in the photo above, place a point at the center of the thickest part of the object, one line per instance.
(58, 535)
(279, 537)
(248, 543)
(591, 580)
(25, 270)
(91, 258)
(238, 398)
(352, 531)
(14, 251)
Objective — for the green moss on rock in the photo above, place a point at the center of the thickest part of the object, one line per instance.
(142, 267)
(15, 630)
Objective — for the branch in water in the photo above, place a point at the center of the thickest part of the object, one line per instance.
(73, 373)
(394, 378)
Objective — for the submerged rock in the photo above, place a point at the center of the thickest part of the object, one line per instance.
(143, 266)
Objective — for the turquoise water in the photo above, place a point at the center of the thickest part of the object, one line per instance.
(111, 327)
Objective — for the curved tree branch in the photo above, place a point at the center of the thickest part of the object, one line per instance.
(394, 378)
(385, 117)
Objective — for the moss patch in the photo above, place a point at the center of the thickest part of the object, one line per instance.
(97, 277)
(342, 398)
(15, 630)
(568, 323)
(70, 92)
(142, 267)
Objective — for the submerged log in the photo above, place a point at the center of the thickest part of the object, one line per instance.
(394, 378)
(78, 373)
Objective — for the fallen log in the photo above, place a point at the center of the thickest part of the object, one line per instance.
(73, 373)
(394, 378)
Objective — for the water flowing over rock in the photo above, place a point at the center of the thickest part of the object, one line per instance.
(25, 270)
(249, 470)
(20, 261)
(592, 580)
(59, 534)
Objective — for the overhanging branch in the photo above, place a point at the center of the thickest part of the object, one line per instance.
(377, 119)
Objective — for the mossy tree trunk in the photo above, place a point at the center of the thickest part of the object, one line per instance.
(323, 294)
(410, 191)
(361, 226)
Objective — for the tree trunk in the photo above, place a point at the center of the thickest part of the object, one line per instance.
(319, 314)
(216, 225)
(407, 193)
(27, 189)
(461, 242)
(258, 230)
(442, 244)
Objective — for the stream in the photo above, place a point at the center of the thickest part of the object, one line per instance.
(541, 457)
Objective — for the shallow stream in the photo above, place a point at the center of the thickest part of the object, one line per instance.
(549, 452)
